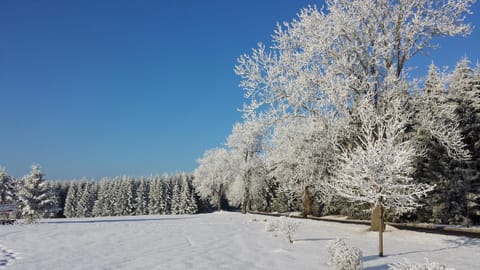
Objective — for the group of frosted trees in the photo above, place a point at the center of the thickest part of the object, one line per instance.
(119, 196)
(33, 195)
(334, 124)
(128, 196)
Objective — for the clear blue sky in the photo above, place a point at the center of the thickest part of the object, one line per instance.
(105, 88)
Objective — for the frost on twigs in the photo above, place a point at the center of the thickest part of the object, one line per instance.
(419, 266)
(288, 227)
(271, 226)
(343, 256)
(285, 225)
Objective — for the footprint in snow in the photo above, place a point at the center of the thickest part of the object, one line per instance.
(7, 257)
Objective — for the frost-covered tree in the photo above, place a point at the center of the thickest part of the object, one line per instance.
(378, 171)
(464, 181)
(71, 202)
(176, 204)
(36, 199)
(124, 196)
(87, 197)
(214, 175)
(156, 197)
(246, 144)
(142, 198)
(302, 157)
(7, 187)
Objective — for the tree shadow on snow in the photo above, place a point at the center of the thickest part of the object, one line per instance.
(377, 267)
(313, 239)
(113, 220)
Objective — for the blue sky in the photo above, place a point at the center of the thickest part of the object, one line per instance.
(105, 88)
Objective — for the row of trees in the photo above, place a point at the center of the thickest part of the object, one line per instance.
(118, 196)
(127, 196)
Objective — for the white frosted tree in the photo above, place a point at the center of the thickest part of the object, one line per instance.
(7, 187)
(303, 155)
(35, 198)
(377, 171)
(214, 175)
(246, 144)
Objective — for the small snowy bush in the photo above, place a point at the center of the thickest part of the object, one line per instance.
(271, 226)
(343, 256)
(419, 266)
(288, 227)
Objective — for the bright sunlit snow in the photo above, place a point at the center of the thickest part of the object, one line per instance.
(221, 240)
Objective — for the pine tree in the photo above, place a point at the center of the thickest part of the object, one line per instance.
(35, 197)
(100, 207)
(464, 178)
(142, 198)
(176, 203)
(71, 201)
(7, 187)
(87, 199)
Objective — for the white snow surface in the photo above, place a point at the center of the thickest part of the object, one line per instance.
(221, 240)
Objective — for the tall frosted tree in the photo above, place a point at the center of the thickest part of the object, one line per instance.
(71, 201)
(464, 180)
(246, 144)
(214, 175)
(35, 197)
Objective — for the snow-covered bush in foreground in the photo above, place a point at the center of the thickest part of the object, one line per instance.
(419, 266)
(288, 227)
(285, 225)
(271, 226)
(343, 256)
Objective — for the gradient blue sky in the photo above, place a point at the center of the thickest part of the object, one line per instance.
(105, 88)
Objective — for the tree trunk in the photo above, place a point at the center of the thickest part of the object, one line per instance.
(219, 201)
(380, 233)
(307, 203)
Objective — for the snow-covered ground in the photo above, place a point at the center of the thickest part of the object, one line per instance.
(221, 240)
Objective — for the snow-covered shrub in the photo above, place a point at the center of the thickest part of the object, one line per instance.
(271, 226)
(419, 266)
(343, 256)
(288, 227)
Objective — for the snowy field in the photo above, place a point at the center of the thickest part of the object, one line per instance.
(220, 240)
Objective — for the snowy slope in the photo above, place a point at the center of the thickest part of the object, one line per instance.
(212, 241)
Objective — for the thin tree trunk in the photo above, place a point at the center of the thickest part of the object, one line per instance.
(219, 201)
(380, 233)
(307, 203)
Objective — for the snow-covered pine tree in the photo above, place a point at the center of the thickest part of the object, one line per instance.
(36, 199)
(7, 187)
(176, 202)
(464, 179)
(166, 195)
(155, 196)
(433, 166)
(72, 199)
(101, 206)
(142, 197)
(88, 196)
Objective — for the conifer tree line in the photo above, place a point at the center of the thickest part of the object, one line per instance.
(38, 198)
